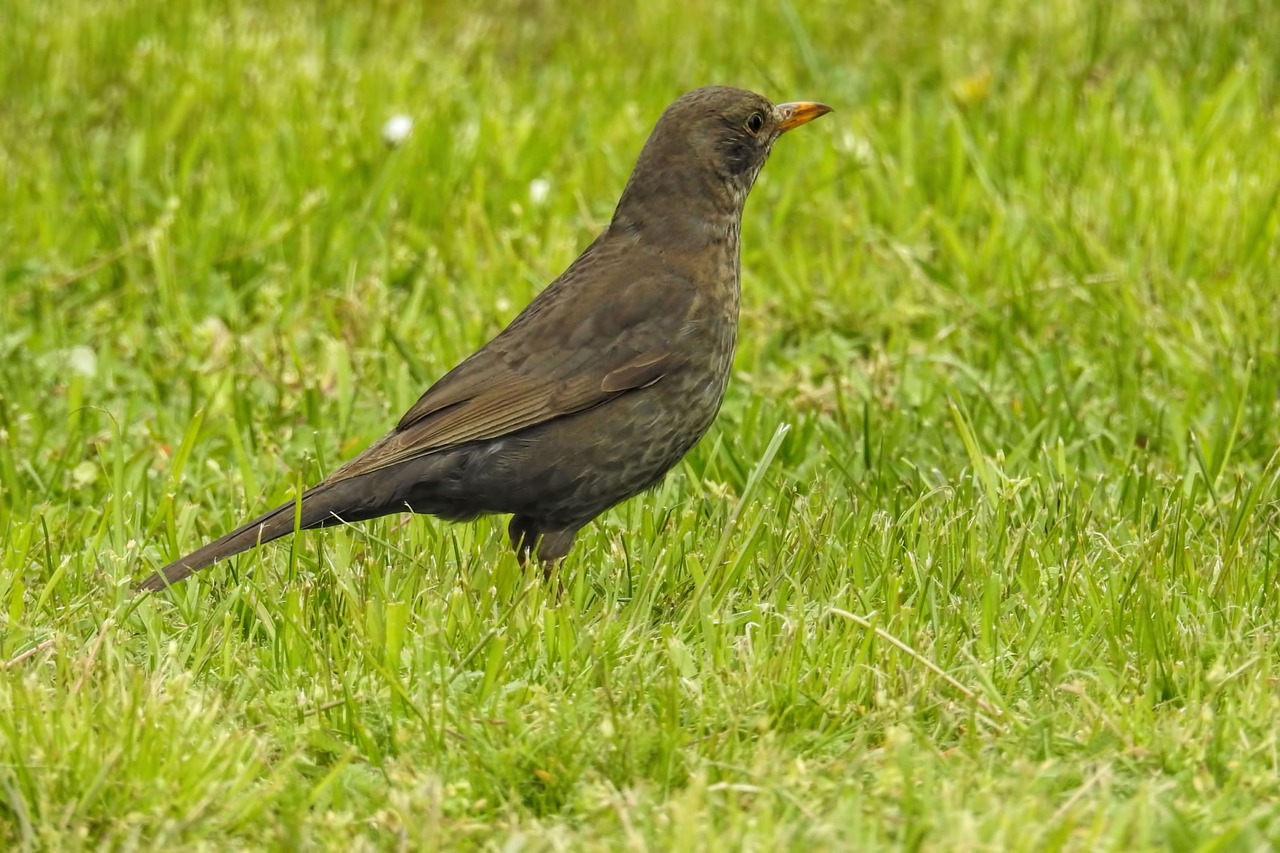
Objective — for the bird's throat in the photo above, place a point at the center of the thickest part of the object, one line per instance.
(687, 227)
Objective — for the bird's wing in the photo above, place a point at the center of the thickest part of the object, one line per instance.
(550, 362)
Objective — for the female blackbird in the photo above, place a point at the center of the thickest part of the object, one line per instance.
(601, 384)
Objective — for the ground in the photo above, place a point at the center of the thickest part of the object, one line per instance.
(982, 552)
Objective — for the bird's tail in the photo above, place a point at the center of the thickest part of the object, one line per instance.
(320, 507)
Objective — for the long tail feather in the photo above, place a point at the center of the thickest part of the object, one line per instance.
(318, 510)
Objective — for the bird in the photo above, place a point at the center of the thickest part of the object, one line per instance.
(593, 392)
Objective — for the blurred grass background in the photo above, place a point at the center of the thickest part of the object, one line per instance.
(982, 551)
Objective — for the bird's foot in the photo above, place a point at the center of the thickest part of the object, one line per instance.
(550, 546)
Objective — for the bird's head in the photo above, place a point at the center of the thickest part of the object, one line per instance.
(707, 149)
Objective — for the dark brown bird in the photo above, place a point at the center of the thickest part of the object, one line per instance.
(601, 384)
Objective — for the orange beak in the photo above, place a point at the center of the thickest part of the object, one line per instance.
(797, 113)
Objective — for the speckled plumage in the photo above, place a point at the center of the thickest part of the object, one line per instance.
(602, 384)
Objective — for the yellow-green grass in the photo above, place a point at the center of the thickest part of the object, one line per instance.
(981, 553)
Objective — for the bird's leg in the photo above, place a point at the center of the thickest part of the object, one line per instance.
(553, 546)
(524, 536)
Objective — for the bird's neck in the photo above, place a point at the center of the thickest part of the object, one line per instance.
(694, 220)
(698, 244)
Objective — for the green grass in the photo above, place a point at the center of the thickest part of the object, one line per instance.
(983, 551)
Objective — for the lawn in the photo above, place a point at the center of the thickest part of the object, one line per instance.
(983, 551)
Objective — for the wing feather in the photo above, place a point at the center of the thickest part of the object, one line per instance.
(502, 390)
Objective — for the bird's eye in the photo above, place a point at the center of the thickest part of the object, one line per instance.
(755, 123)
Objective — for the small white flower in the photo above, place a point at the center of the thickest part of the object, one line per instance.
(859, 146)
(82, 361)
(397, 130)
(539, 189)
(84, 474)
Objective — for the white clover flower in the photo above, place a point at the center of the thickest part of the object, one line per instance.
(396, 130)
(539, 189)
